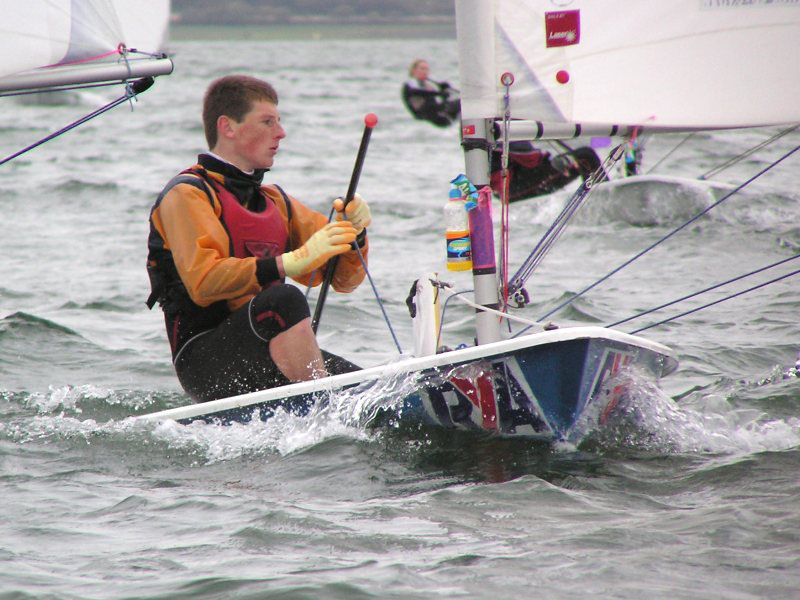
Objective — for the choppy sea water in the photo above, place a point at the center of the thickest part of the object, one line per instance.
(689, 491)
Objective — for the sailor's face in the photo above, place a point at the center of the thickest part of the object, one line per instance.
(257, 136)
(421, 71)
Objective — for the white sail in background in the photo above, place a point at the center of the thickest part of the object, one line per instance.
(52, 43)
(664, 65)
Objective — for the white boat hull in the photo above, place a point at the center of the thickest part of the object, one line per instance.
(534, 386)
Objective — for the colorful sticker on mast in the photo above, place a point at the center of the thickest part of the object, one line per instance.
(562, 28)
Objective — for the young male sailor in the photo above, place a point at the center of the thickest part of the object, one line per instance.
(221, 245)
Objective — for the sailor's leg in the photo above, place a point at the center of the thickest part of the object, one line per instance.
(294, 349)
(336, 365)
(296, 353)
(235, 357)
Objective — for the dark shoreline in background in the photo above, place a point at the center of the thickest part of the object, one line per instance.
(312, 31)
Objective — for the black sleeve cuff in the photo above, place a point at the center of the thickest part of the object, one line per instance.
(267, 270)
(361, 238)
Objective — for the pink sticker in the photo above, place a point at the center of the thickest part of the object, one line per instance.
(562, 28)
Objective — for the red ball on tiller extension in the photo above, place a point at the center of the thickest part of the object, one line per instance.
(371, 120)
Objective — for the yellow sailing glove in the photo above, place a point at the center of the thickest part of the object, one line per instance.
(333, 239)
(357, 212)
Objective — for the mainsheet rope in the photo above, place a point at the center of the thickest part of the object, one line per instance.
(378, 298)
(132, 89)
(374, 290)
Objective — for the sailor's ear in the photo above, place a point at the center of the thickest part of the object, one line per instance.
(225, 126)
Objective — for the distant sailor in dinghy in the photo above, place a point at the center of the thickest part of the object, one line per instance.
(222, 243)
(531, 172)
(534, 172)
(430, 100)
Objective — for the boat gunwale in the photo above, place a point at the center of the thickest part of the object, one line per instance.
(453, 358)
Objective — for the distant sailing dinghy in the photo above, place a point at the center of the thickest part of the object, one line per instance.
(59, 45)
(530, 171)
(595, 69)
(534, 69)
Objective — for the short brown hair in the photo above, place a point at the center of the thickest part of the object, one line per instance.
(233, 96)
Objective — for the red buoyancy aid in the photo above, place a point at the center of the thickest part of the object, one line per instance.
(251, 233)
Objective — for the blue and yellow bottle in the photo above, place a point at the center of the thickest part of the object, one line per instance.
(459, 250)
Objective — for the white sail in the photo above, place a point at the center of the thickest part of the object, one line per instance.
(663, 65)
(53, 43)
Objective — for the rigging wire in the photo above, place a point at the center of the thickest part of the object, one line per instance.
(132, 89)
(708, 289)
(669, 235)
(747, 153)
(559, 224)
(694, 310)
(668, 154)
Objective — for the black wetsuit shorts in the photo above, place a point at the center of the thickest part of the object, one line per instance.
(234, 358)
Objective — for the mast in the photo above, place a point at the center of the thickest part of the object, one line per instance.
(475, 32)
(476, 144)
